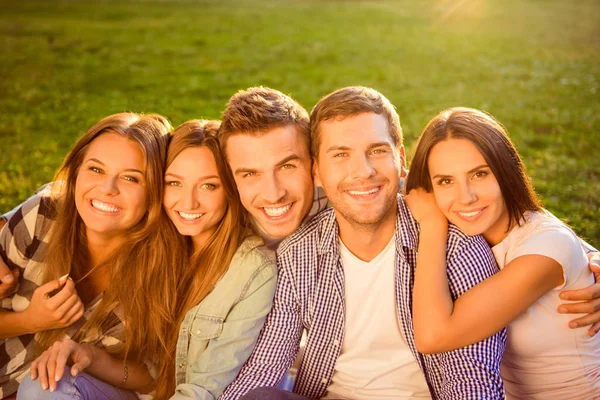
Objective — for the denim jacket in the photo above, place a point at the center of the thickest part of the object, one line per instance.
(218, 335)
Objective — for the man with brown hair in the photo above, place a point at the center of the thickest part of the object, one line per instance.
(346, 278)
(266, 139)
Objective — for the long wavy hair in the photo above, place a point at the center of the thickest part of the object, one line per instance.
(141, 280)
(207, 265)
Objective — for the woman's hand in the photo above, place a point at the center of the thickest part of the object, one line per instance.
(58, 311)
(424, 208)
(49, 366)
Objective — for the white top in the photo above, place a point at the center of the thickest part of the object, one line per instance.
(375, 362)
(544, 358)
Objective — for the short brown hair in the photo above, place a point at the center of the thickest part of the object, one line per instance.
(492, 141)
(350, 101)
(257, 110)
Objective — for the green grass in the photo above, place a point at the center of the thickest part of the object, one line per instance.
(534, 64)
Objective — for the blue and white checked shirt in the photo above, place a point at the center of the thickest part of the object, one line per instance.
(310, 295)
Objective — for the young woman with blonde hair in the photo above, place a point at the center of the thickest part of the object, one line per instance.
(95, 288)
(227, 287)
(479, 184)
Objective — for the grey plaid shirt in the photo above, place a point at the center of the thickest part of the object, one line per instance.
(23, 244)
(310, 296)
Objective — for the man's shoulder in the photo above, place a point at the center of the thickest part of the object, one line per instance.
(311, 233)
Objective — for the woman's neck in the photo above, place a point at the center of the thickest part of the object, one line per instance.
(100, 247)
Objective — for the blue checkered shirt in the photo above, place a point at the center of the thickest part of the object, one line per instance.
(310, 296)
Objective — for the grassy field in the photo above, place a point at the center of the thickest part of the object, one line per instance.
(534, 64)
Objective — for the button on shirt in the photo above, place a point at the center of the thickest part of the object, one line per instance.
(310, 295)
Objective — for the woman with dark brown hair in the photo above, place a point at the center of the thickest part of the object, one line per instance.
(94, 285)
(478, 183)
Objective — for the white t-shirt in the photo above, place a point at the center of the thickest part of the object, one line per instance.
(544, 358)
(375, 362)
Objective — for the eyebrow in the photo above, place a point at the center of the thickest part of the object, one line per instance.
(292, 157)
(482, 166)
(244, 170)
(202, 178)
(370, 147)
(101, 163)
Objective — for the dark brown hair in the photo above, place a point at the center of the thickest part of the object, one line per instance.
(350, 101)
(492, 141)
(257, 110)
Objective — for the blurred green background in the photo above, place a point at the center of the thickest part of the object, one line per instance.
(534, 64)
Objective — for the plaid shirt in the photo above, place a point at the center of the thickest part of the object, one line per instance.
(23, 244)
(310, 295)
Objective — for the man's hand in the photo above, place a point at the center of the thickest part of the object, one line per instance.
(585, 301)
(8, 280)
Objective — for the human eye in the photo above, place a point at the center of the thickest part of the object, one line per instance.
(209, 186)
(95, 169)
(248, 174)
(481, 174)
(444, 181)
(340, 154)
(288, 166)
(130, 178)
(379, 151)
(173, 183)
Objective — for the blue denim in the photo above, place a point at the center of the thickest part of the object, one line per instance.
(82, 387)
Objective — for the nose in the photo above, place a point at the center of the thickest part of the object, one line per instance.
(110, 186)
(190, 199)
(466, 194)
(361, 167)
(273, 190)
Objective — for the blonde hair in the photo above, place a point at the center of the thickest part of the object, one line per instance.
(206, 266)
(348, 102)
(141, 281)
(257, 110)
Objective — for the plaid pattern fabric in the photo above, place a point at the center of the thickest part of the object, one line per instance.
(310, 295)
(23, 244)
(320, 203)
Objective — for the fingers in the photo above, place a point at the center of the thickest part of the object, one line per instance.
(74, 313)
(589, 293)
(69, 309)
(585, 321)
(584, 307)
(66, 286)
(9, 285)
(594, 329)
(40, 368)
(51, 365)
(67, 348)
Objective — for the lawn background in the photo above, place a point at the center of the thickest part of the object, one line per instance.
(534, 64)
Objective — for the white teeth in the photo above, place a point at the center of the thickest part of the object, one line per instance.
(469, 214)
(105, 207)
(358, 193)
(277, 211)
(189, 215)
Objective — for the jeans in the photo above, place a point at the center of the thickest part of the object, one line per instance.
(82, 387)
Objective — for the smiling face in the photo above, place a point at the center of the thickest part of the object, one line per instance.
(358, 167)
(467, 191)
(110, 189)
(273, 177)
(194, 199)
